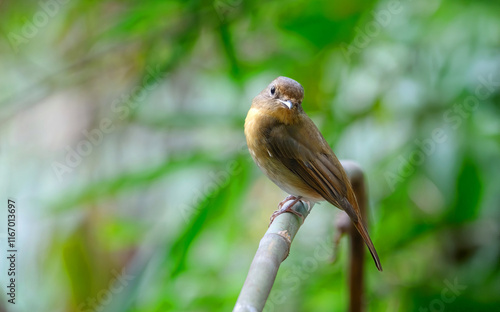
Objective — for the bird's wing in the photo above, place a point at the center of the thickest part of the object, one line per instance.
(304, 151)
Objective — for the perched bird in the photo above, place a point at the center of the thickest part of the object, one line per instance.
(288, 147)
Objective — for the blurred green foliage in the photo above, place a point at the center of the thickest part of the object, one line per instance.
(122, 140)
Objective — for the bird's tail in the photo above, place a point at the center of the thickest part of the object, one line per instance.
(364, 234)
(356, 219)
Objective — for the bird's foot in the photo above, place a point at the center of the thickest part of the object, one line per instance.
(286, 206)
(287, 199)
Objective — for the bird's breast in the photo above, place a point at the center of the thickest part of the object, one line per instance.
(256, 127)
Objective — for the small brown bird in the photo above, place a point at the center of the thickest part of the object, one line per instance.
(288, 147)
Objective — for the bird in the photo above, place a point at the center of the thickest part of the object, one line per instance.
(291, 151)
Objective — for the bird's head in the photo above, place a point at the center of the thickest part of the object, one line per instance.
(282, 98)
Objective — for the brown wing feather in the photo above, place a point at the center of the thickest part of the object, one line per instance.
(318, 167)
(315, 166)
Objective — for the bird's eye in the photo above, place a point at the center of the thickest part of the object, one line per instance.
(273, 90)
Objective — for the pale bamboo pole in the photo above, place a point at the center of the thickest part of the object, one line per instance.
(273, 249)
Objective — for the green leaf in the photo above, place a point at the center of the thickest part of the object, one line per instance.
(226, 196)
(469, 190)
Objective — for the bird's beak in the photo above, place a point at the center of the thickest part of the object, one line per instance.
(288, 103)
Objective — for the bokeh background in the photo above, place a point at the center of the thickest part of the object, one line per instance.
(122, 144)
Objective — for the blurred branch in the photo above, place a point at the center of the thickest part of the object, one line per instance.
(357, 245)
(275, 247)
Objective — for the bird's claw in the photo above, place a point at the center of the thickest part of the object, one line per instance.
(285, 206)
